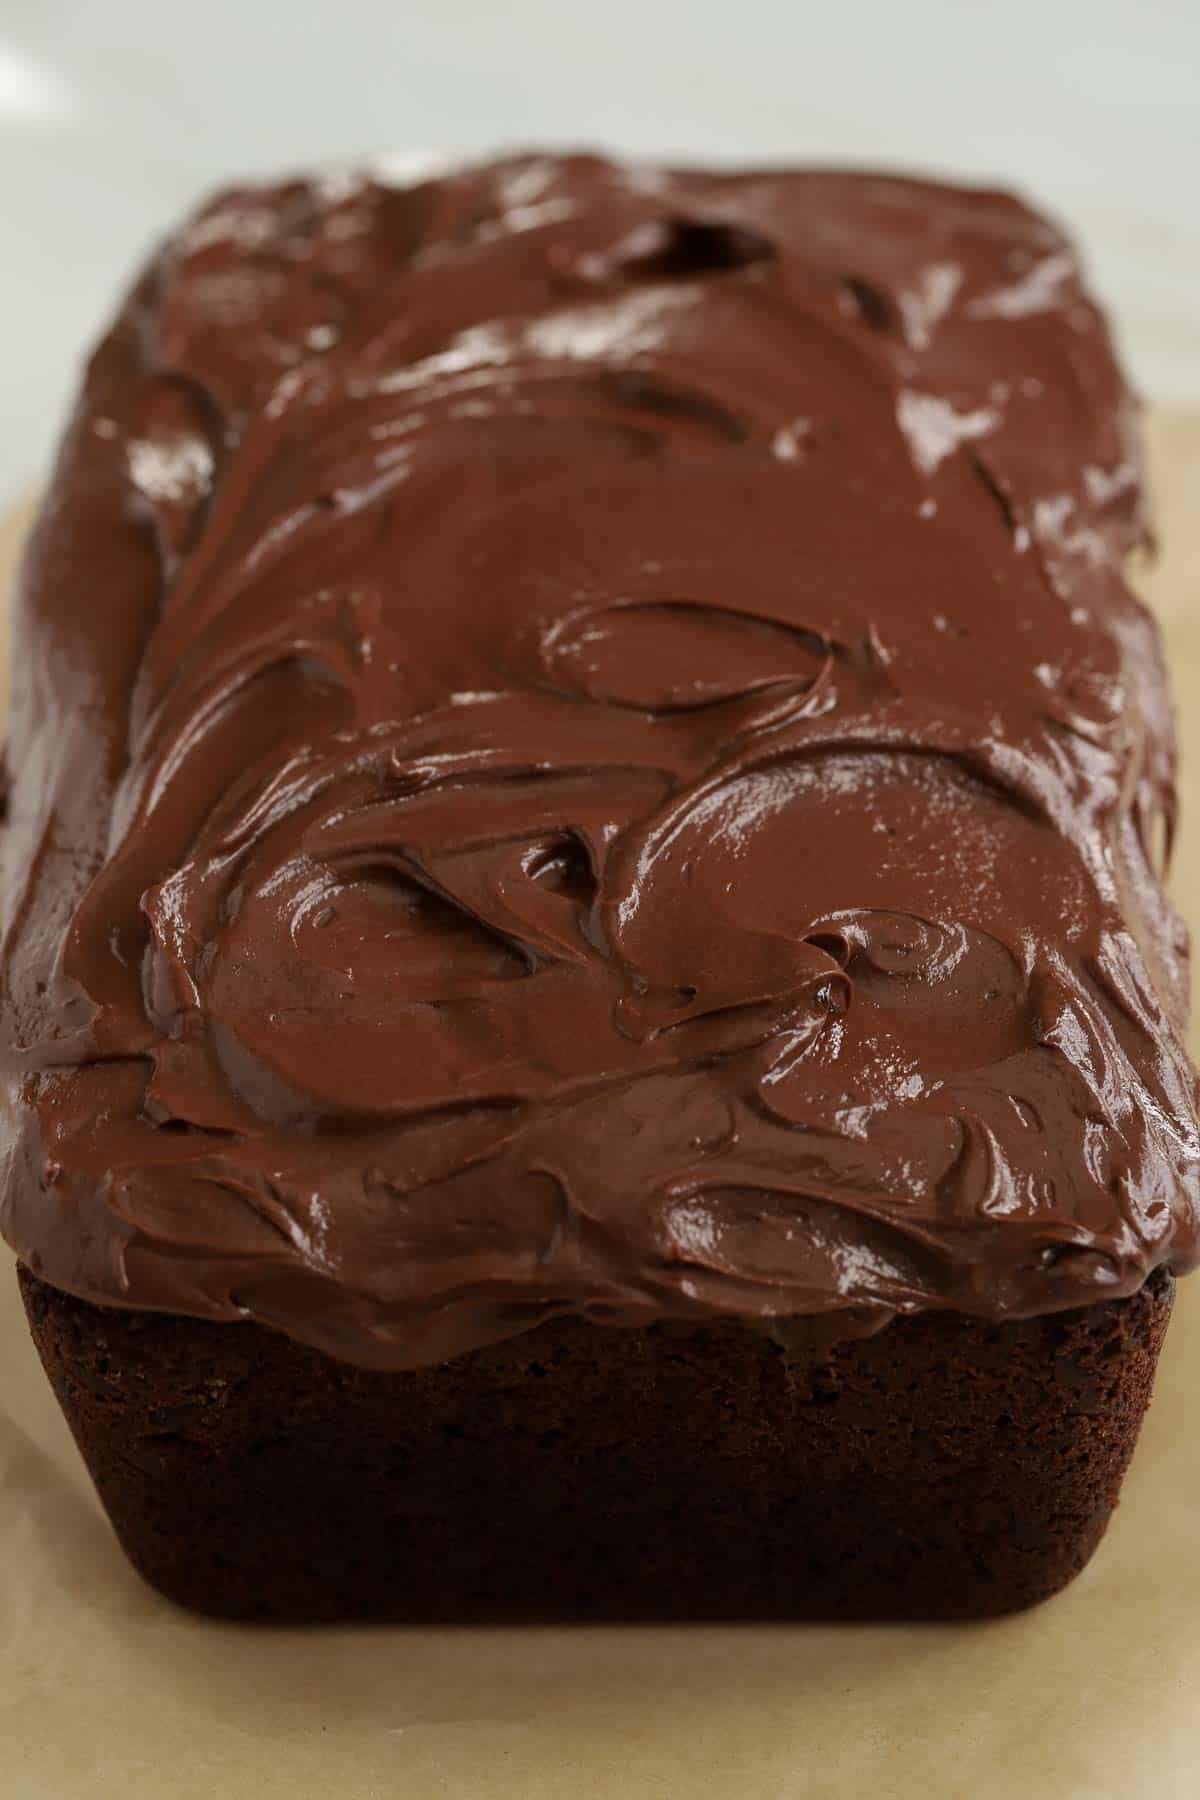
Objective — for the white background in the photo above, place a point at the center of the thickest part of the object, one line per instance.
(115, 114)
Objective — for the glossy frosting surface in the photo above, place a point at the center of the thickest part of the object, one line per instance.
(581, 744)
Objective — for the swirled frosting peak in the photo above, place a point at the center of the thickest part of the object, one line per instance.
(581, 745)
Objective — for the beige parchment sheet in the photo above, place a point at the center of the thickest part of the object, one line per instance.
(105, 1690)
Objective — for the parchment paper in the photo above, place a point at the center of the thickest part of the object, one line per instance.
(105, 1690)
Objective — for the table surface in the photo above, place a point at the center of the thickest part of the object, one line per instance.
(109, 1693)
(116, 116)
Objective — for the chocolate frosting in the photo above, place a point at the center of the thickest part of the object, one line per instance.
(581, 744)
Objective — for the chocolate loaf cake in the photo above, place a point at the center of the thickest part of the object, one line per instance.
(590, 1016)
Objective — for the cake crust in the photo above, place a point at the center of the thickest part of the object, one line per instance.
(943, 1468)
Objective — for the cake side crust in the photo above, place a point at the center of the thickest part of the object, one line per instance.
(944, 1468)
